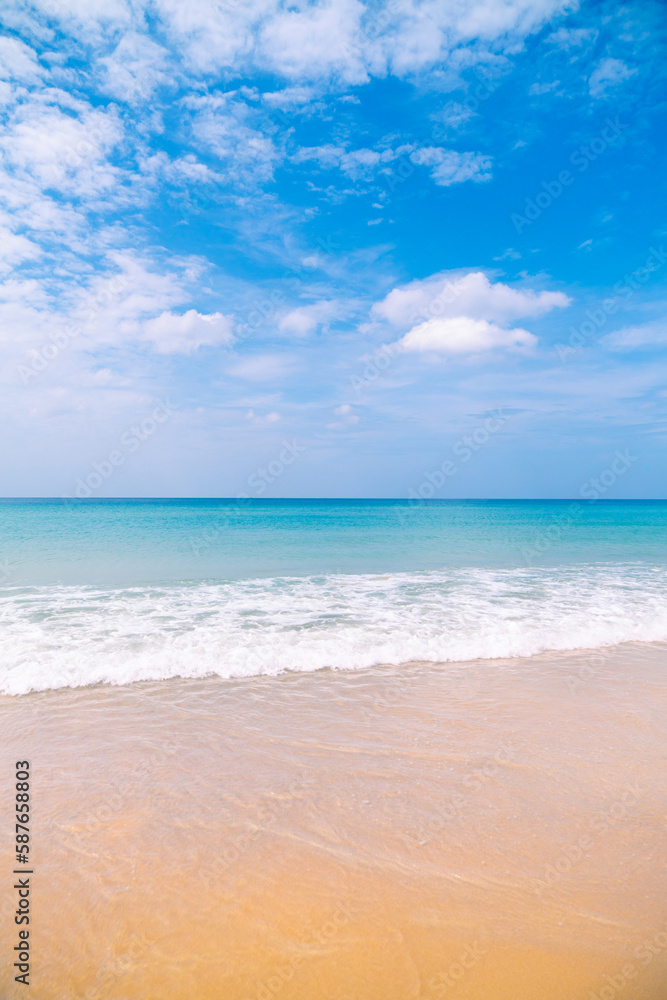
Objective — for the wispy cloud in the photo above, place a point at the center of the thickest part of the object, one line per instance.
(607, 75)
(643, 335)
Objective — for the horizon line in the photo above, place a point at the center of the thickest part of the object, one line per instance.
(243, 500)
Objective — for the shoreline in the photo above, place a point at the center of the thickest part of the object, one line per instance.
(553, 657)
(68, 636)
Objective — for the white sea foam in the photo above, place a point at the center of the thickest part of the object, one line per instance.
(63, 636)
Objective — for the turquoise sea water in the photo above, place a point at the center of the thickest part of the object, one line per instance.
(121, 590)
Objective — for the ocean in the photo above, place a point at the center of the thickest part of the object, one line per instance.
(118, 591)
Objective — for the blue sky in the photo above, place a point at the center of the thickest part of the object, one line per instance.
(311, 249)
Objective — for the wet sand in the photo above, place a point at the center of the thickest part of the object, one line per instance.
(488, 831)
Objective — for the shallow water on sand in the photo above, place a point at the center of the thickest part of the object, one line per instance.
(493, 829)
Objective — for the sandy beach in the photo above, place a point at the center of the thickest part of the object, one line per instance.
(493, 829)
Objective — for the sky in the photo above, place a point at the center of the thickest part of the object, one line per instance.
(414, 248)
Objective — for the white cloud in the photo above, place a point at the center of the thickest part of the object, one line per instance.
(319, 39)
(128, 302)
(58, 150)
(346, 417)
(305, 319)
(351, 41)
(328, 156)
(171, 333)
(361, 163)
(446, 166)
(630, 338)
(463, 335)
(463, 313)
(456, 294)
(358, 164)
(214, 35)
(224, 125)
(132, 291)
(344, 41)
(135, 69)
(14, 249)
(449, 167)
(18, 62)
(91, 21)
(608, 74)
(289, 97)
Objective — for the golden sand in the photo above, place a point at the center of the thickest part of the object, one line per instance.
(488, 831)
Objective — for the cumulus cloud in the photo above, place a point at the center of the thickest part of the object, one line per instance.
(350, 41)
(345, 41)
(60, 150)
(457, 294)
(334, 40)
(463, 313)
(323, 37)
(132, 301)
(171, 333)
(463, 335)
(135, 69)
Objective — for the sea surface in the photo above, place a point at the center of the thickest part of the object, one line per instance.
(118, 591)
